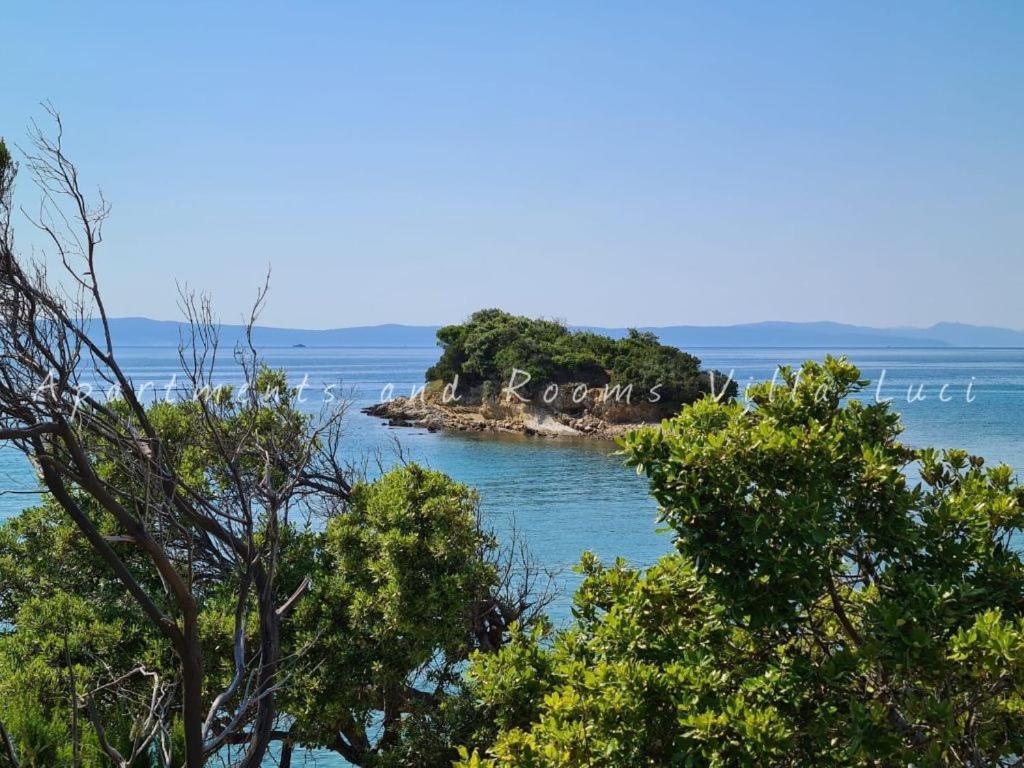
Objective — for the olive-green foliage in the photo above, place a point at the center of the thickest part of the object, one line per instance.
(824, 606)
(432, 737)
(408, 553)
(396, 579)
(62, 611)
(63, 618)
(397, 574)
(49, 660)
(8, 172)
(488, 347)
(650, 674)
(8, 168)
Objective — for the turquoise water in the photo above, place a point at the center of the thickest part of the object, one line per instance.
(561, 497)
(565, 497)
(568, 496)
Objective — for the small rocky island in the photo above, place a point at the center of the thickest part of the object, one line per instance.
(506, 373)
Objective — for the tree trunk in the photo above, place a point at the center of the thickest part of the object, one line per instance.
(192, 694)
(266, 678)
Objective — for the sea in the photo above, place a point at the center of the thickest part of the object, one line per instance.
(566, 496)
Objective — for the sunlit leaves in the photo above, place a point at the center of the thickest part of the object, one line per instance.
(821, 610)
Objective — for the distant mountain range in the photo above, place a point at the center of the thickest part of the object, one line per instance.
(140, 331)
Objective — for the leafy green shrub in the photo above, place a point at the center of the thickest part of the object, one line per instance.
(821, 609)
(405, 584)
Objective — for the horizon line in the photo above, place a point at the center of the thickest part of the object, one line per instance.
(424, 326)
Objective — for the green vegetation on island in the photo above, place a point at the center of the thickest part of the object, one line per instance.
(491, 345)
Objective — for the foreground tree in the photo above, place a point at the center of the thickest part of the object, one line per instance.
(405, 585)
(154, 592)
(836, 599)
(409, 585)
(209, 511)
(181, 506)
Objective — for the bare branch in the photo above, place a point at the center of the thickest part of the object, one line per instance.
(105, 464)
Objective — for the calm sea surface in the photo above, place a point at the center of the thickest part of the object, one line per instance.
(564, 497)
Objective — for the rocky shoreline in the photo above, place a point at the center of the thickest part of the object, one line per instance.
(590, 419)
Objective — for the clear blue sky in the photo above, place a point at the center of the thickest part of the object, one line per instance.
(607, 163)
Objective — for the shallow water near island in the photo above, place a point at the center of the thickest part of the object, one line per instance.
(565, 496)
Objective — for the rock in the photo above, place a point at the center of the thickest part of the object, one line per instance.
(597, 419)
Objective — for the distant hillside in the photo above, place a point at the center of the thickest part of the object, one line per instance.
(142, 332)
(961, 335)
(139, 331)
(838, 335)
